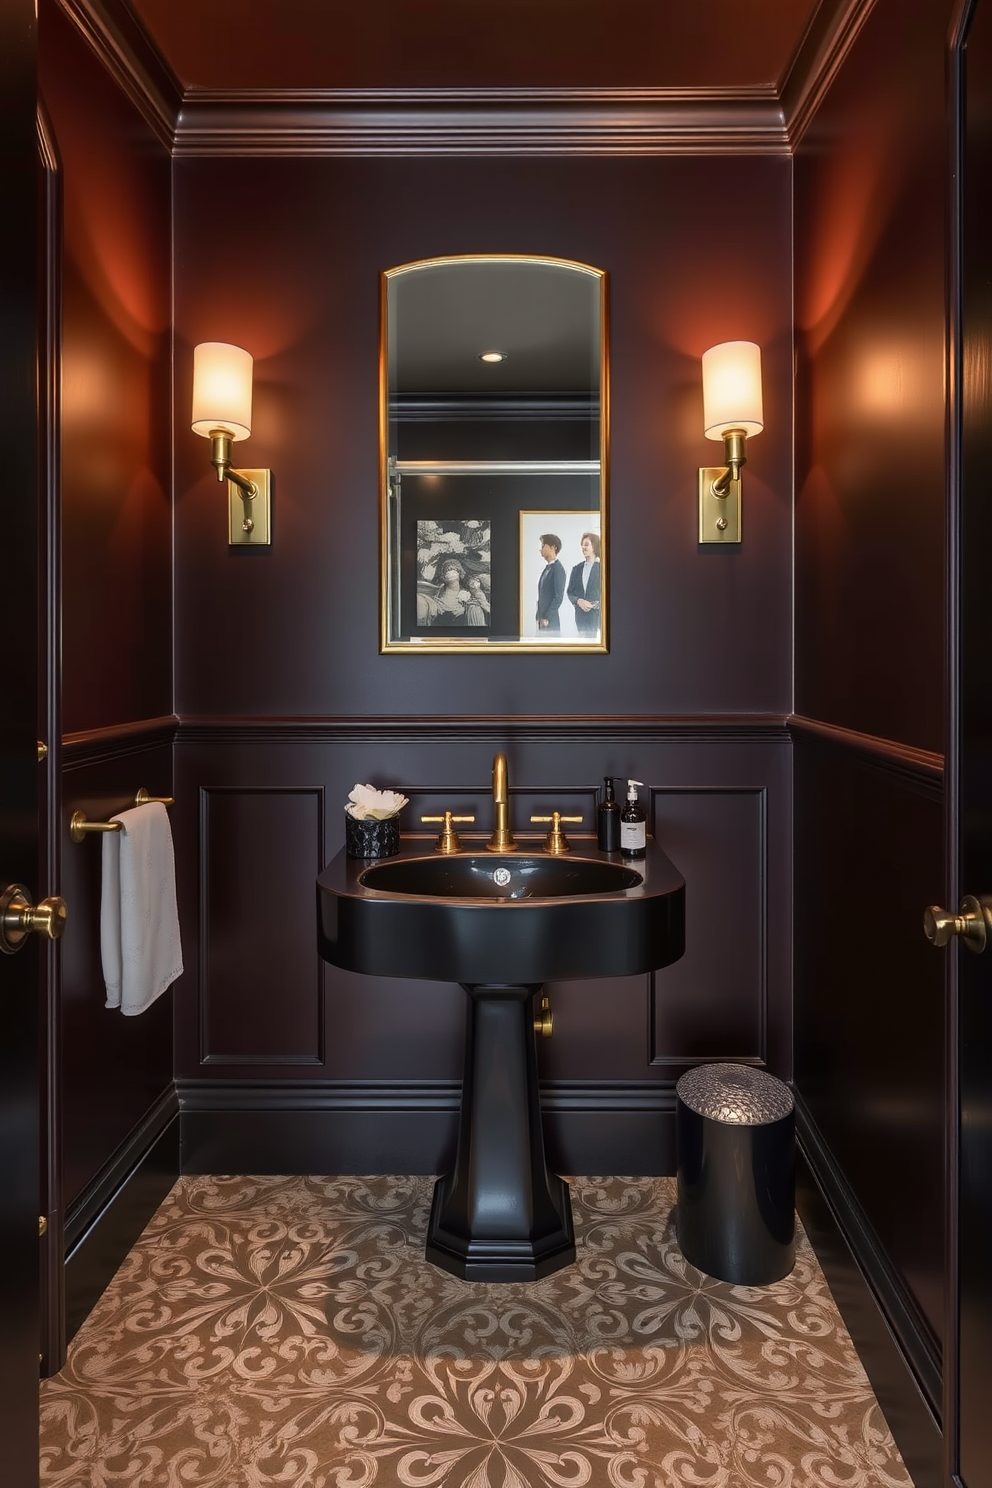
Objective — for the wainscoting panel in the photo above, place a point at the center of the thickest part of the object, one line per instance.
(713, 1003)
(113, 1067)
(721, 798)
(110, 1096)
(869, 997)
(262, 985)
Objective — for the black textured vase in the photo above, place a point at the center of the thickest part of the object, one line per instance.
(370, 837)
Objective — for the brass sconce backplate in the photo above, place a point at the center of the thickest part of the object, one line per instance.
(258, 511)
(719, 516)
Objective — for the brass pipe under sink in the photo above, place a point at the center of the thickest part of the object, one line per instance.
(502, 838)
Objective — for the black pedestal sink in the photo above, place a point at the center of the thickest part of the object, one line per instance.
(501, 925)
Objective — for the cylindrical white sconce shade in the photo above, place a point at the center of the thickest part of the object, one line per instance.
(221, 389)
(732, 389)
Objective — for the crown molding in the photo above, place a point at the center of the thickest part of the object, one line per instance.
(483, 121)
(128, 53)
(831, 33)
(470, 121)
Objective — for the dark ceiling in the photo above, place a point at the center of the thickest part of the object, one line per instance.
(700, 46)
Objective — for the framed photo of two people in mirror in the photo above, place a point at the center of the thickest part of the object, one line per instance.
(494, 502)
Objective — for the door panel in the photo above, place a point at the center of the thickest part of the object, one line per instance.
(974, 765)
(19, 712)
(52, 1342)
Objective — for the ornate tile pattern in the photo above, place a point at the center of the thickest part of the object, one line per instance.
(288, 1331)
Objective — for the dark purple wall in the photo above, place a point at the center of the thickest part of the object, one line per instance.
(286, 700)
(116, 393)
(116, 559)
(295, 630)
(871, 203)
(870, 309)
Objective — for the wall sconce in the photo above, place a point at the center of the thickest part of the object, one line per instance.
(731, 411)
(222, 414)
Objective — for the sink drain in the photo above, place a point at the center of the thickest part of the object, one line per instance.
(502, 877)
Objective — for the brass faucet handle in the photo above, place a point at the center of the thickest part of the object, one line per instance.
(556, 841)
(447, 838)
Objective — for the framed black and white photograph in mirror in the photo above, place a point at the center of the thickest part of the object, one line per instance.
(561, 567)
(454, 574)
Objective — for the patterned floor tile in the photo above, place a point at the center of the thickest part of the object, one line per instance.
(288, 1331)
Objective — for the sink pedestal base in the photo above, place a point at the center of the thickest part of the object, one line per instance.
(500, 1216)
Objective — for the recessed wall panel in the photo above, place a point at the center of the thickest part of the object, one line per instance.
(261, 977)
(712, 1003)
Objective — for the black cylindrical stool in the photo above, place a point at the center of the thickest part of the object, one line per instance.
(735, 1139)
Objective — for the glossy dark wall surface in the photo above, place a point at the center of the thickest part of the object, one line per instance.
(294, 630)
(116, 564)
(870, 478)
(286, 702)
(116, 393)
(871, 203)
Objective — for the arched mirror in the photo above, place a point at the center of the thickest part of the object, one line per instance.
(493, 437)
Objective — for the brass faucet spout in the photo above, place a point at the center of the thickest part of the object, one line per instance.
(502, 838)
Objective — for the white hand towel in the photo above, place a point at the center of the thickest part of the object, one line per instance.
(139, 924)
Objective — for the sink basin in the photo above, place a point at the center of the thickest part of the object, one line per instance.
(491, 917)
(501, 924)
(491, 876)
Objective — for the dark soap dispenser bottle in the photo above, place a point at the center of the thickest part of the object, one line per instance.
(633, 824)
(608, 818)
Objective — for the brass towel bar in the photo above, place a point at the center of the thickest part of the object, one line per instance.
(79, 826)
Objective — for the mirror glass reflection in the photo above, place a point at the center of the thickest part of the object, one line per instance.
(494, 456)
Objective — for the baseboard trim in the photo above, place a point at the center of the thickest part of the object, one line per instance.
(409, 1127)
(899, 1357)
(104, 1222)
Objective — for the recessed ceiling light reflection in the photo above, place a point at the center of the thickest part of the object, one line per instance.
(492, 356)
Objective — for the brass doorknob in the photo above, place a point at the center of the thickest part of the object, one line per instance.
(973, 922)
(19, 918)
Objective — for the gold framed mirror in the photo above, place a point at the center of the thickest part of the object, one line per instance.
(493, 450)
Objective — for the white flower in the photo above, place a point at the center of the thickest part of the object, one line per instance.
(365, 801)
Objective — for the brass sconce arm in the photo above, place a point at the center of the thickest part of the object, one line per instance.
(734, 455)
(220, 459)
